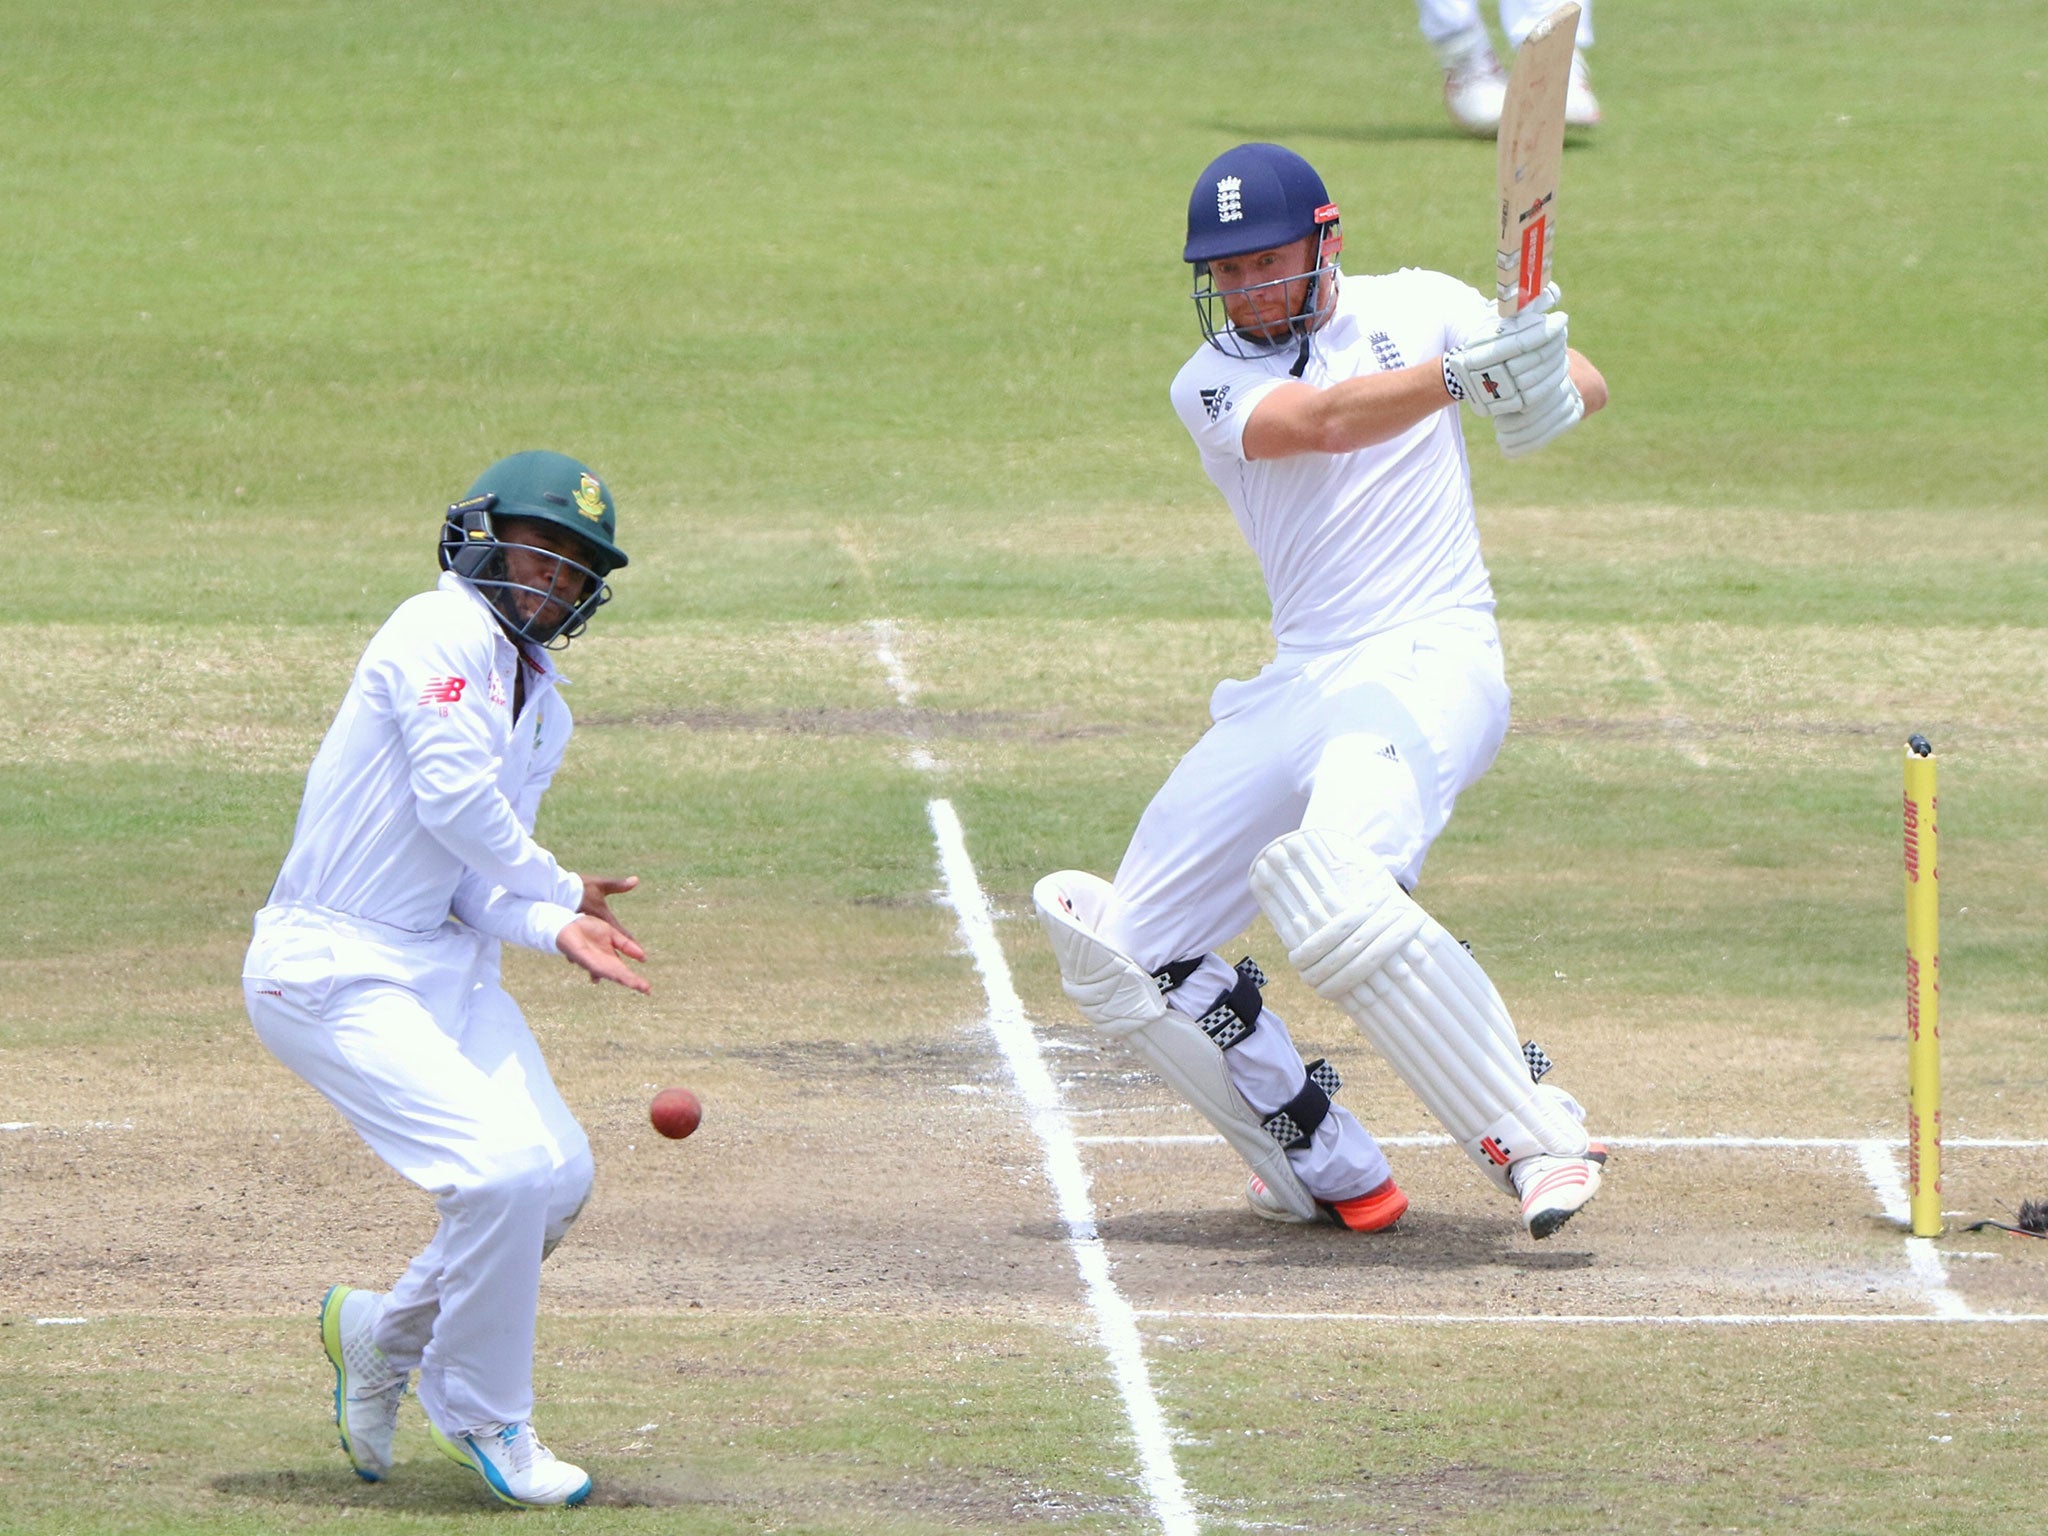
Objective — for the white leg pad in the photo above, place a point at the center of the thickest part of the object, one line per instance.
(1364, 944)
(1117, 995)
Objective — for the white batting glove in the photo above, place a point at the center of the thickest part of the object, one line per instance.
(1497, 375)
(1547, 414)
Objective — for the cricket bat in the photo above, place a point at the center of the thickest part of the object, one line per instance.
(1531, 157)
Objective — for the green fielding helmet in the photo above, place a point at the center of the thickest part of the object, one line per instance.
(553, 488)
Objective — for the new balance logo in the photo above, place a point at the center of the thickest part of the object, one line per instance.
(1216, 401)
(443, 690)
(1230, 199)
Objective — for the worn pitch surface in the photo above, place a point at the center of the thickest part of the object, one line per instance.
(866, 310)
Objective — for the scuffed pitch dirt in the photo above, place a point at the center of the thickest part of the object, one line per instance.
(892, 1176)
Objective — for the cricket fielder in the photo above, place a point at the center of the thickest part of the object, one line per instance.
(1324, 408)
(374, 969)
(1475, 86)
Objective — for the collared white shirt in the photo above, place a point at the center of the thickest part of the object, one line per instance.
(1351, 544)
(422, 798)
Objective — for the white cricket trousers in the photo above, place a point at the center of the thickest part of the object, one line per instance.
(414, 1041)
(1443, 20)
(1376, 740)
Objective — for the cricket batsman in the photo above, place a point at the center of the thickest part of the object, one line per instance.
(1325, 408)
(374, 969)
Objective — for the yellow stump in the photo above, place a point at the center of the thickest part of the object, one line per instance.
(1923, 992)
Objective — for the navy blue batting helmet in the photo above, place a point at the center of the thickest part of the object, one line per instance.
(1258, 197)
(1253, 198)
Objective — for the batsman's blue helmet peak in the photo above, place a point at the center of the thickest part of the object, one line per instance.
(1253, 198)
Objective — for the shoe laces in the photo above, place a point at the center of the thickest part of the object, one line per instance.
(521, 1447)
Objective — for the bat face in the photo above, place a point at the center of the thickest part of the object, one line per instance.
(1531, 158)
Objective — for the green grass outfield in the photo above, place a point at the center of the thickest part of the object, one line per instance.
(867, 312)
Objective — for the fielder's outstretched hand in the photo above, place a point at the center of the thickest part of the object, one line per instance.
(597, 946)
(597, 893)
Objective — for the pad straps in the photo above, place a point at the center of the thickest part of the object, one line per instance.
(1235, 1013)
(1231, 1019)
(1295, 1122)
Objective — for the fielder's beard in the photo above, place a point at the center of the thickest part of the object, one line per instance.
(571, 609)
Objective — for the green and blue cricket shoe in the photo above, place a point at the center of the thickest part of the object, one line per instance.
(367, 1387)
(515, 1466)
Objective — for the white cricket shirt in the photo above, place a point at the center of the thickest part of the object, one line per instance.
(1352, 544)
(422, 798)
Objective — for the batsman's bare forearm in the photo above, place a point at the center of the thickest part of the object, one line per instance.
(1349, 415)
(1592, 386)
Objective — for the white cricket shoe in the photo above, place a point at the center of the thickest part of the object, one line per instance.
(1553, 1189)
(1268, 1206)
(1374, 1211)
(1475, 89)
(515, 1466)
(367, 1387)
(1581, 107)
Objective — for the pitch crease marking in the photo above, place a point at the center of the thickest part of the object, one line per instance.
(1115, 1324)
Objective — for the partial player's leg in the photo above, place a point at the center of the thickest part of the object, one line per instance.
(1518, 19)
(1363, 943)
(378, 1055)
(1410, 728)
(1137, 958)
(494, 1038)
(1475, 87)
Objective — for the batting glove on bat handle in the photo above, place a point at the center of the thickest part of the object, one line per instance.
(1482, 375)
(1547, 417)
(1534, 310)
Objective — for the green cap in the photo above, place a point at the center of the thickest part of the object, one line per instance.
(554, 488)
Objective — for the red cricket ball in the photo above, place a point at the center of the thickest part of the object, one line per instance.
(675, 1112)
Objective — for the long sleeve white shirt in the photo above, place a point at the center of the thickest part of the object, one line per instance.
(422, 798)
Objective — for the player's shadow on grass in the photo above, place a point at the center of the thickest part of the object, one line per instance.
(421, 1484)
(1348, 133)
(1429, 1241)
(416, 1486)
(1375, 133)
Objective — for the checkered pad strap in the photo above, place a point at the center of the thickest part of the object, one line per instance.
(1170, 978)
(1235, 1013)
(1294, 1122)
(1539, 1063)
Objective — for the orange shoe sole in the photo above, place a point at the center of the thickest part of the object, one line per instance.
(1374, 1211)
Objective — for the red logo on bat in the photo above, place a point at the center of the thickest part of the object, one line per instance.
(1531, 277)
(443, 690)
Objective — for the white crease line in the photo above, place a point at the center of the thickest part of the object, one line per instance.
(1675, 724)
(884, 631)
(1629, 1143)
(1883, 1173)
(61, 1322)
(1115, 1323)
(1922, 1258)
(900, 684)
(1596, 1319)
(65, 1130)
